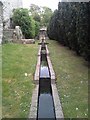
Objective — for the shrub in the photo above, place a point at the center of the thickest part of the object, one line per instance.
(22, 18)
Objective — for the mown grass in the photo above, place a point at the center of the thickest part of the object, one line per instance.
(0, 81)
(72, 80)
(18, 66)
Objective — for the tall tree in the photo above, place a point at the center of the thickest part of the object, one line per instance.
(41, 14)
(35, 11)
(46, 15)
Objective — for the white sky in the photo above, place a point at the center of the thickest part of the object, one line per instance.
(53, 4)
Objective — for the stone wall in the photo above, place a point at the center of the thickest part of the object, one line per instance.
(7, 35)
(1, 21)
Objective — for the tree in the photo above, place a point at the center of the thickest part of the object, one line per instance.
(35, 12)
(46, 15)
(21, 18)
(34, 9)
(41, 14)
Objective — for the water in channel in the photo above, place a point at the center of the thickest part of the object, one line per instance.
(45, 100)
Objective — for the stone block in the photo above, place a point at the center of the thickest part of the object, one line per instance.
(34, 102)
(57, 103)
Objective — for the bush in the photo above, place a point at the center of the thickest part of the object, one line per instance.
(37, 28)
(21, 18)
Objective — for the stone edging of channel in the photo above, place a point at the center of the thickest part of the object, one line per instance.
(34, 102)
(37, 71)
(57, 103)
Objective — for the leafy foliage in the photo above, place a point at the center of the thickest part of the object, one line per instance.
(46, 15)
(69, 25)
(37, 28)
(21, 17)
(41, 14)
(52, 28)
(31, 20)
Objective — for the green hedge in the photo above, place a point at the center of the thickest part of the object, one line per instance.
(70, 24)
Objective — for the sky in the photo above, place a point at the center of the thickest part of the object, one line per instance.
(53, 4)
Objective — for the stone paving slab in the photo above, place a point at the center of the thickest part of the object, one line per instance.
(39, 52)
(34, 102)
(47, 51)
(57, 104)
(51, 68)
(36, 76)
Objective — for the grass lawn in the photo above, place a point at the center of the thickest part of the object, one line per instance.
(72, 80)
(0, 81)
(18, 66)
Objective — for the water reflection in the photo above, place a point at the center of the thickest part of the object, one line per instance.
(44, 72)
(46, 105)
(45, 100)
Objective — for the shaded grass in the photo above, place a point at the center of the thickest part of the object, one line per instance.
(17, 88)
(72, 80)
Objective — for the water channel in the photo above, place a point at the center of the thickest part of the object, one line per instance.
(45, 99)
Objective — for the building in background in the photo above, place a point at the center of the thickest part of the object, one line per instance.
(8, 6)
(1, 21)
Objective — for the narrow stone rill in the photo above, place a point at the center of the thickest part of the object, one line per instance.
(45, 100)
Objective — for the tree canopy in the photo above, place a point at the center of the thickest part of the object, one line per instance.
(41, 14)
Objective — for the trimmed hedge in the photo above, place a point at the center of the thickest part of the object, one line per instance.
(70, 24)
